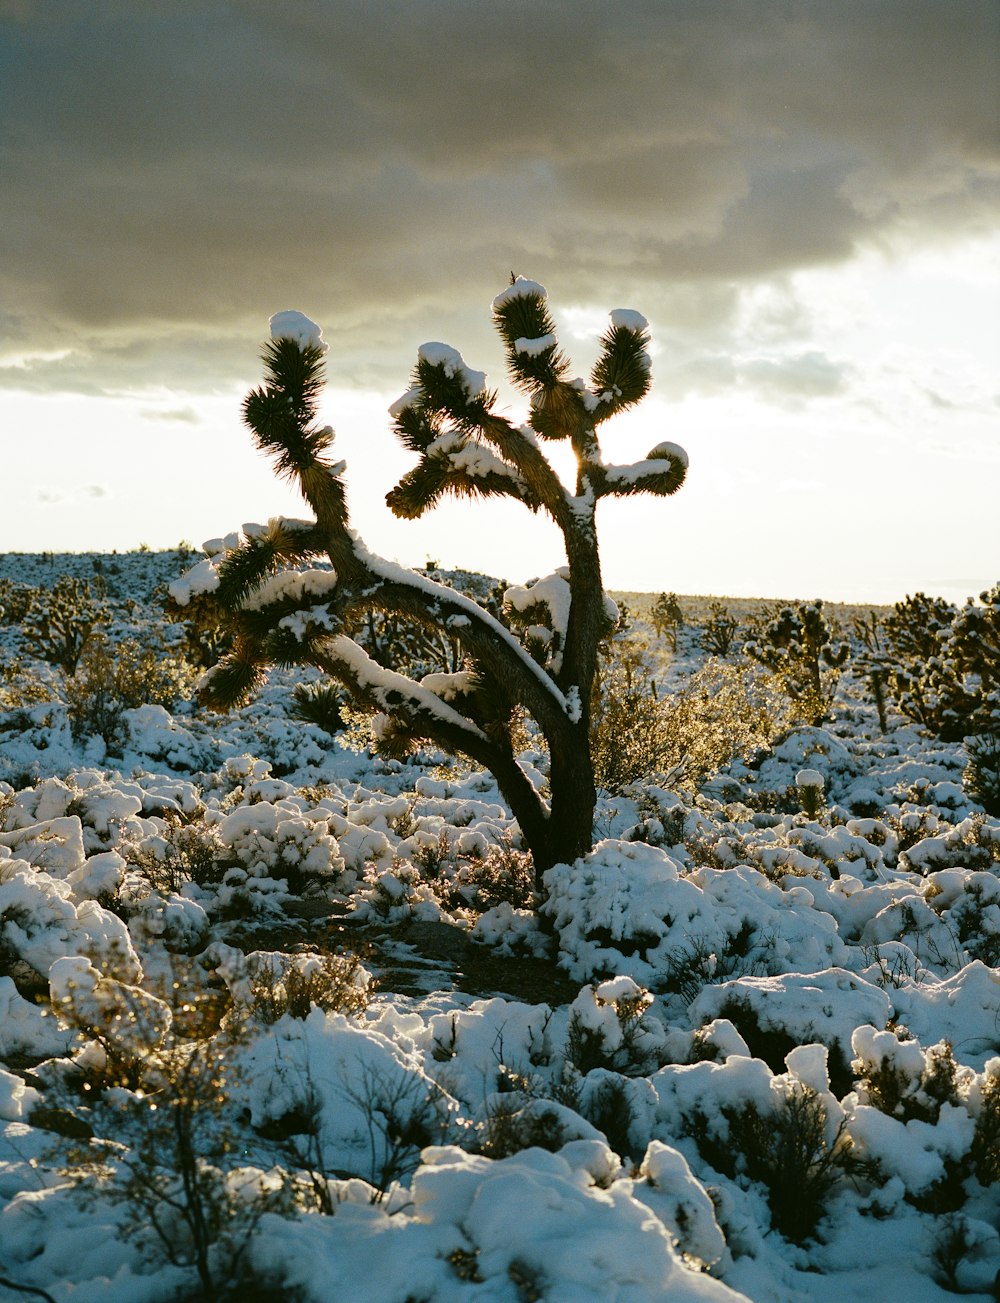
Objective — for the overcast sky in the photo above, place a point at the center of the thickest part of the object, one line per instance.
(801, 197)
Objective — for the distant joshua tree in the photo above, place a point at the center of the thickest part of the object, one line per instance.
(282, 612)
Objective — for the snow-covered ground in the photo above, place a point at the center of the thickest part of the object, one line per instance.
(762, 1059)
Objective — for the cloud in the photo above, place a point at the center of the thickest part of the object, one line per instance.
(184, 415)
(83, 492)
(174, 174)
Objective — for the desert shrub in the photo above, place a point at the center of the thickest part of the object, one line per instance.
(60, 621)
(718, 634)
(320, 704)
(903, 1080)
(154, 1109)
(627, 731)
(721, 714)
(21, 686)
(503, 874)
(112, 678)
(184, 853)
(512, 1124)
(334, 983)
(981, 778)
(788, 1151)
(984, 1153)
(797, 647)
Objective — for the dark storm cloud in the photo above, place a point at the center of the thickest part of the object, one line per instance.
(174, 173)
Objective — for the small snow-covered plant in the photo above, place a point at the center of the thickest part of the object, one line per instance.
(606, 1027)
(789, 1150)
(981, 778)
(332, 982)
(809, 784)
(112, 678)
(718, 634)
(183, 853)
(282, 613)
(667, 618)
(504, 874)
(985, 1150)
(899, 1078)
(60, 620)
(797, 647)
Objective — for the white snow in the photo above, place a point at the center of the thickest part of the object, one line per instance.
(298, 327)
(722, 968)
(521, 288)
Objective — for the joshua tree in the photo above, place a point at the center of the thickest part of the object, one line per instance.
(282, 613)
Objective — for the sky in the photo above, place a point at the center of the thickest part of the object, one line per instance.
(801, 196)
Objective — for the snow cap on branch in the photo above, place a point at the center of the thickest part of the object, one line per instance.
(628, 320)
(299, 328)
(443, 355)
(521, 288)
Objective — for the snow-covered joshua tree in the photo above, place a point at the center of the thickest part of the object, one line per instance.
(286, 614)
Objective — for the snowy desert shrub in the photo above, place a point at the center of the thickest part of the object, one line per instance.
(112, 678)
(981, 778)
(607, 1028)
(163, 1152)
(281, 613)
(790, 1150)
(809, 784)
(627, 730)
(873, 661)
(722, 713)
(60, 620)
(180, 854)
(898, 1077)
(718, 633)
(277, 985)
(503, 875)
(797, 647)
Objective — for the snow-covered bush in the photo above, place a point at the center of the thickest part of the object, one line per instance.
(113, 678)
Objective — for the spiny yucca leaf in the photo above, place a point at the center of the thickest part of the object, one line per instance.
(416, 428)
(297, 373)
(232, 682)
(622, 370)
(525, 317)
(447, 395)
(244, 569)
